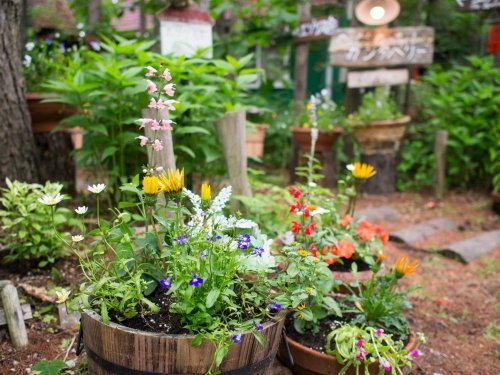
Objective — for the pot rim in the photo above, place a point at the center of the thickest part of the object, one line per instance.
(93, 315)
(386, 123)
(296, 129)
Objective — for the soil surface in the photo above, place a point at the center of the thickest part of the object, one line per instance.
(457, 306)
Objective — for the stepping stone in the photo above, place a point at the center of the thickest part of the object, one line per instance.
(422, 231)
(383, 213)
(474, 247)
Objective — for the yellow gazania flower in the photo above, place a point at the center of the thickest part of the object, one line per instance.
(301, 307)
(404, 266)
(362, 171)
(172, 182)
(205, 192)
(303, 253)
(151, 185)
(308, 290)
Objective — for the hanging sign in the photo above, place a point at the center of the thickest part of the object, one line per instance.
(471, 5)
(379, 77)
(493, 45)
(315, 29)
(185, 30)
(362, 47)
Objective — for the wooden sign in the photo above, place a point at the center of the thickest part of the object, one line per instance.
(379, 77)
(362, 47)
(315, 29)
(474, 5)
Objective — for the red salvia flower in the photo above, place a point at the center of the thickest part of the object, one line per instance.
(310, 228)
(295, 227)
(296, 193)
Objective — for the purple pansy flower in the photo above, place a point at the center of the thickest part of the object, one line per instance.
(258, 251)
(258, 327)
(203, 254)
(244, 238)
(236, 338)
(274, 307)
(166, 283)
(181, 240)
(195, 280)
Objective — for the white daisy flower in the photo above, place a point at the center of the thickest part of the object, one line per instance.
(81, 210)
(62, 296)
(96, 189)
(51, 200)
(77, 238)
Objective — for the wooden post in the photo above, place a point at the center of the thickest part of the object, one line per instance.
(440, 155)
(13, 315)
(301, 59)
(231, 134)
(164, 158)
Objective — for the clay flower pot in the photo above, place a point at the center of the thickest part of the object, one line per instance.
(381, 136)
(325, 141)
(115, 349)
(255, 141)
(307, 361)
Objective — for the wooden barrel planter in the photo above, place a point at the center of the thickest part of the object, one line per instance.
(307, 361)
(113, 349)
(325, 141)
(380, 142)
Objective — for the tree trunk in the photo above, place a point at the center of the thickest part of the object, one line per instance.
(301, 60)
(17, 145)
(93, 14)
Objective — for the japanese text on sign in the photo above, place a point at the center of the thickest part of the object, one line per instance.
(360, 47)
(316, 29)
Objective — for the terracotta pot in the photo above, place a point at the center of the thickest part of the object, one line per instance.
(311, 362)
(45, 117)
(381, 136)
(116, 349)
(325, 141)
(255, 141)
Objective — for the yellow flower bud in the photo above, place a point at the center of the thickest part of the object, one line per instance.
(205, 192)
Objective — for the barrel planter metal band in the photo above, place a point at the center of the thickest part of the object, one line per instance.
(114, 349)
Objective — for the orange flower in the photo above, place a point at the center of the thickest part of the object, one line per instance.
(365, 231)
(345, 221)
(380, 257)
(404, 266)
(383, 236)
(344, 249)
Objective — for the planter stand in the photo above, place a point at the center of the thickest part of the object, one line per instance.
(301, 144)
(380, 143)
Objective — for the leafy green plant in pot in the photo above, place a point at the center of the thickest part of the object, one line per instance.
(370, 334)
(196, 291)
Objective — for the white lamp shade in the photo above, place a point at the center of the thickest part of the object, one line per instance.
(377, 12)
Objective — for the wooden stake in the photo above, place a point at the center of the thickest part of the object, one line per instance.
(14, 316)
(440, 155)
(231, 134)
(301, 59)
(165, 158)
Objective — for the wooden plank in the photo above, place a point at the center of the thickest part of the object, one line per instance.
(379, 77)
(14, 316)
(474, 247)
(477, 5)
(321, 28)
(362, 47)
(440, 155)
(301, 60)
(25, 308)
(423, 231)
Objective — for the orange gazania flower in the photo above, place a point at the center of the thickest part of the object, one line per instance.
(404, 266)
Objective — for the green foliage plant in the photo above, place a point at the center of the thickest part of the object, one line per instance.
(216, 268)
(24, 223)
(329, 115)
(464, 101)
(376, 105)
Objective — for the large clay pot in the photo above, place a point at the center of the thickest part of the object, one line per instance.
(255, 141)
(381, 136)
(113, 349)
(325, 141)
(307, 361)
(46, 116)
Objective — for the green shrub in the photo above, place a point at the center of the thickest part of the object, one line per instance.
(24, 223)
(464, 101)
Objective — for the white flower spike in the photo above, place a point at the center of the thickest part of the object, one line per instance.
(51, 200)
(96, 189)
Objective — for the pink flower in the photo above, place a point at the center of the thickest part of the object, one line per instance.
(414, 354)
(166, 125)
(379, 332)
(166, 75)
(151, 87)
(151, 71)
(157, 146)
(144, 122)
(154, 125)
(143, 140)
(169, 104)
(361, 355)
(169, 89)
(153, 104)
(359, 343)
(386, 366)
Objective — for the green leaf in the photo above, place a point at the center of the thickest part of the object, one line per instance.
(212, 297)
(191, 130)
(197, 340)
(258, 336)
(50, 367)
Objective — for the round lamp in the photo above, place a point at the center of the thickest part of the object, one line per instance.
(377, 12)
